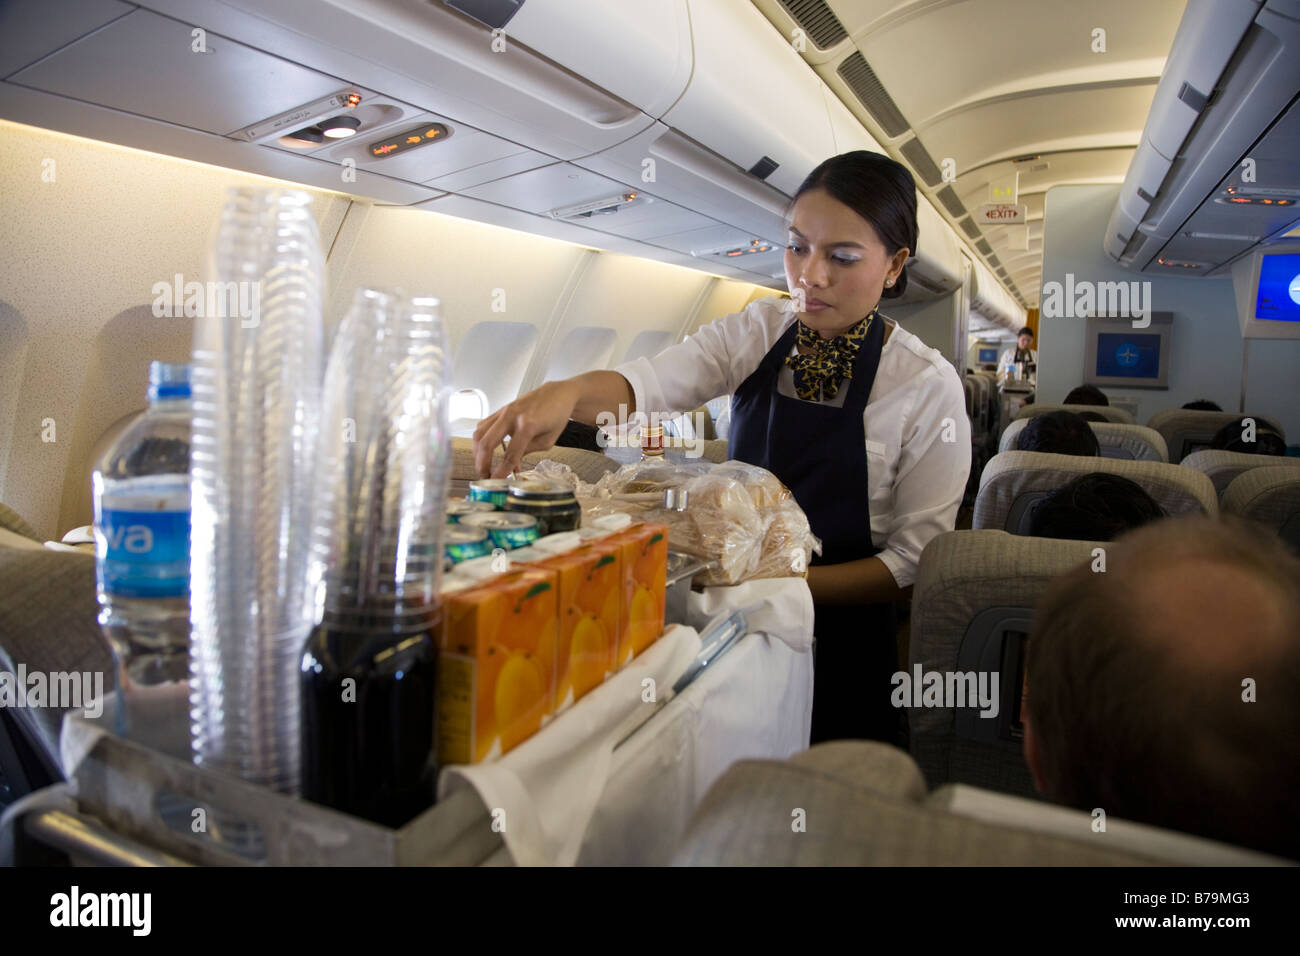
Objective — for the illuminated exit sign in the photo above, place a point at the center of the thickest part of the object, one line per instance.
(999, 214)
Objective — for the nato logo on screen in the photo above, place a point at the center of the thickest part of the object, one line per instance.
(1125, 355)
(1278, 298)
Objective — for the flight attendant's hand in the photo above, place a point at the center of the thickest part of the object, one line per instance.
(532, 422)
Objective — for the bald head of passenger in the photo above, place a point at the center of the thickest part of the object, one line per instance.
(1166, 688)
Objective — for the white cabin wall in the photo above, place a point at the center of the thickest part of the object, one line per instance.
(1206, 348)
(80, 258)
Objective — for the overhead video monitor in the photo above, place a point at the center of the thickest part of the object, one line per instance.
(988, 356)
(1267, 288)
(1119, 354)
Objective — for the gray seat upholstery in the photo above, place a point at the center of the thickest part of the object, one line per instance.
(1108, 412)
(1014, 481)
(971, 605)
(1221, 467)
(862, 803)
(48, 621)
(1186, 430)
(1131, 442)
(11, 520)
(1270, 496)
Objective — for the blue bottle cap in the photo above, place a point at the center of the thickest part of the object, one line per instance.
(169, 380)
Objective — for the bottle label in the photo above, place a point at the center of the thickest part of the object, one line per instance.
(144, 554)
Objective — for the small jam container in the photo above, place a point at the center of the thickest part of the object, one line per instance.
(507, 529)
(550, 502)
(491, 490)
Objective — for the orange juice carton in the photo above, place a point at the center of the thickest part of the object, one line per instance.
(644, 550)
(496, 662)
(590, 601)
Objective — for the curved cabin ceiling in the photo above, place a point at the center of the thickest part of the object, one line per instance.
(1000, 87)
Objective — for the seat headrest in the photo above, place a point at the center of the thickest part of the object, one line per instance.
(1109, 412)
(1268, 495)
(1221, 467)
(1130, 442)
(1185, 429)
(1014, 481)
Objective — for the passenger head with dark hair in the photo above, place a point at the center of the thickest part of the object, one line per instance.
(579, 435)
(1202, 405)
(1093, 507)
(1058, 433)
(1166, 689)
(1249, 436)
(852, 228)
(1086, 395)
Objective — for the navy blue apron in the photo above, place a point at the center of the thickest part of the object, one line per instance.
(819, 452)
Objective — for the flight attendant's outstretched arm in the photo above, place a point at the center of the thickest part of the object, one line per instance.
(535, 420)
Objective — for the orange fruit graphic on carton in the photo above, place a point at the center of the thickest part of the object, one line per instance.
(496, 666)
(590, 597)
(645, 575)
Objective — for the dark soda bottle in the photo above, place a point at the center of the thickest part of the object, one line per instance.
(368, 745)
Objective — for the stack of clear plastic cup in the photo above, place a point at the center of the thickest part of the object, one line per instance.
(384, 462)
(256, 387)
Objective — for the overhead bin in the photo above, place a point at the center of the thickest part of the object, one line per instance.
(1218, 148)
(992, 301)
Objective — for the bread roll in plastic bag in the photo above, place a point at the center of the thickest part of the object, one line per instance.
(736, 515)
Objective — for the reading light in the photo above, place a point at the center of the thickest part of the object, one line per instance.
(338, 127)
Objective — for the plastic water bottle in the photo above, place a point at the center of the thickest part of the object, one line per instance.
(142, 540)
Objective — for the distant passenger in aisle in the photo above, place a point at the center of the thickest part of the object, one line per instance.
(1058, 433)
(1023, 352)
(1094, 507)
(1173, 705)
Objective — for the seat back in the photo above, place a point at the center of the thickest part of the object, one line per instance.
(1270, 496)
(1186, 431)
(1130, 442)
(1015, 481)
(1222, 467)
(48, 625)
(1108, 412)
(972, 608)
(864, 804)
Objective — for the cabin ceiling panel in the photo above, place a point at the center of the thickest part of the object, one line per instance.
(145, 64)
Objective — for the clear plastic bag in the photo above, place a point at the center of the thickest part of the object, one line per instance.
(735, 514)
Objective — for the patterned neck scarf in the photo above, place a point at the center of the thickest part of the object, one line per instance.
(819, 374)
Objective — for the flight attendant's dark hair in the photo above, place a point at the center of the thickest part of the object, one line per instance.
(879, 190)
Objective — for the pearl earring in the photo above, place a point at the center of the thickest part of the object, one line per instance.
(889, 282)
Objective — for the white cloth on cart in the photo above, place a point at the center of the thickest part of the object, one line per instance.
(567, 796)
(541, 795)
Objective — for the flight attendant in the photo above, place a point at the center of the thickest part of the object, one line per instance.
(1023, 352)
(865, 424)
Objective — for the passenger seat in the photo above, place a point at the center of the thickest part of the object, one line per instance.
(1187, 430)
(1270, 496)
(1129, 442)
(1015, 481)
(861, 803)
(1223, 467)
